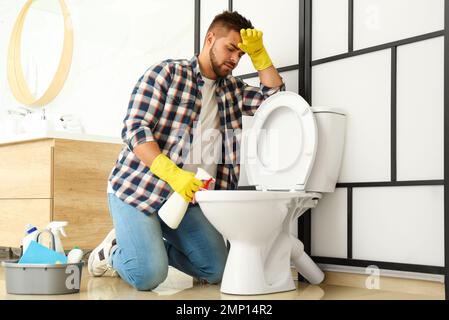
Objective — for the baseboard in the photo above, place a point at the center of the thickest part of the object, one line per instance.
(386, 280)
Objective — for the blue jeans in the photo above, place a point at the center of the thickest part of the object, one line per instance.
(146, 246)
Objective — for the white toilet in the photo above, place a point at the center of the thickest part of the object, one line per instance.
(292, 154)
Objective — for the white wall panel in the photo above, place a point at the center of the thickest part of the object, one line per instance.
(209, 9)
(399, 224)
(279, 22)
(420, 111)
(361, 86)
(131, 37)
(290, 79)
(329, 225)
(114, 43)
(253, 81)
(381, 21)
(329, 28)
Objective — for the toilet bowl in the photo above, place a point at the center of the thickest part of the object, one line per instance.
(292, 155)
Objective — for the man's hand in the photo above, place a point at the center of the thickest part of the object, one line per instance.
(182, 181)
(253, 45)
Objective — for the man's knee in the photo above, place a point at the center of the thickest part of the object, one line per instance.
(149, 278)
(216, 271)
(215, 278)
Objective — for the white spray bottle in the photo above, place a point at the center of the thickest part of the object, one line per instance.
(175, 208)
(31, 233)
(75, 255)
(57, 228)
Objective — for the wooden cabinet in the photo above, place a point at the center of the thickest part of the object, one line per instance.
(56, 179)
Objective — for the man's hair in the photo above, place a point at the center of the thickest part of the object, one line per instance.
(230, 21)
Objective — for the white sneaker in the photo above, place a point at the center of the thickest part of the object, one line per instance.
(98, 264)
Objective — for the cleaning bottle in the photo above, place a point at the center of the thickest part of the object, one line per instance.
(75, 255)
(31, 233)
(57, 228)
(174, 209)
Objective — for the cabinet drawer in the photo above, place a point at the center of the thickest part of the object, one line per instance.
(26, 170)
(16, 213)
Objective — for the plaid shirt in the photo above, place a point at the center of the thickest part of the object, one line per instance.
(164, 106)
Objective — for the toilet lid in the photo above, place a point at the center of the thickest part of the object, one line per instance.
(282, 143)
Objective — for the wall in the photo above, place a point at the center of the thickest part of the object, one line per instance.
(115, 42)
(383, 62)
(283, 47)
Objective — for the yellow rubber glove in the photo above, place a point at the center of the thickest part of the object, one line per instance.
(182, 181)
(252, 44)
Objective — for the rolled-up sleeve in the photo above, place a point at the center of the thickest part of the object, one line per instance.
(146, 106)
(254, 96)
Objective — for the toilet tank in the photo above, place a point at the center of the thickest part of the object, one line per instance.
(331, 124)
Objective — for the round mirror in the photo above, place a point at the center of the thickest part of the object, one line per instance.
(40, 51)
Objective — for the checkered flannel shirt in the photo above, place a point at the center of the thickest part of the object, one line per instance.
(164, 106)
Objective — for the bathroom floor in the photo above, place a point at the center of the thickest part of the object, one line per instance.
(179, 286)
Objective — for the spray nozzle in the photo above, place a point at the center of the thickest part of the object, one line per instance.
(206, 184)
(58, 226)
(203, 175)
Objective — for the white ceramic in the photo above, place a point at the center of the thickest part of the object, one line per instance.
(282, 143)
(257, 223)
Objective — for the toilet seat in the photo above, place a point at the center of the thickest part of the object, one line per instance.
(282, 143)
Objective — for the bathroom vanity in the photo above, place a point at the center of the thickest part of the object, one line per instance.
(56, 176)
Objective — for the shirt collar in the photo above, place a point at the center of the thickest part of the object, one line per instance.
(195, 66)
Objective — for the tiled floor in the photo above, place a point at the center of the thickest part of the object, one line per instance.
(180, 286)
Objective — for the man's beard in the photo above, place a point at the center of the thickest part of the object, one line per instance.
(216, 66)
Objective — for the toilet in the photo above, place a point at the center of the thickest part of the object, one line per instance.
(292, 154)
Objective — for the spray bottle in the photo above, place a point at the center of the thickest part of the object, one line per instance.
(75, 255)
(57, 227)
(31, 233)
(174, 209)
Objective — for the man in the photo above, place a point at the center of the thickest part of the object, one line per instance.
(170, 101)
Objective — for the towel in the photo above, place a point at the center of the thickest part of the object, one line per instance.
(39, 254)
